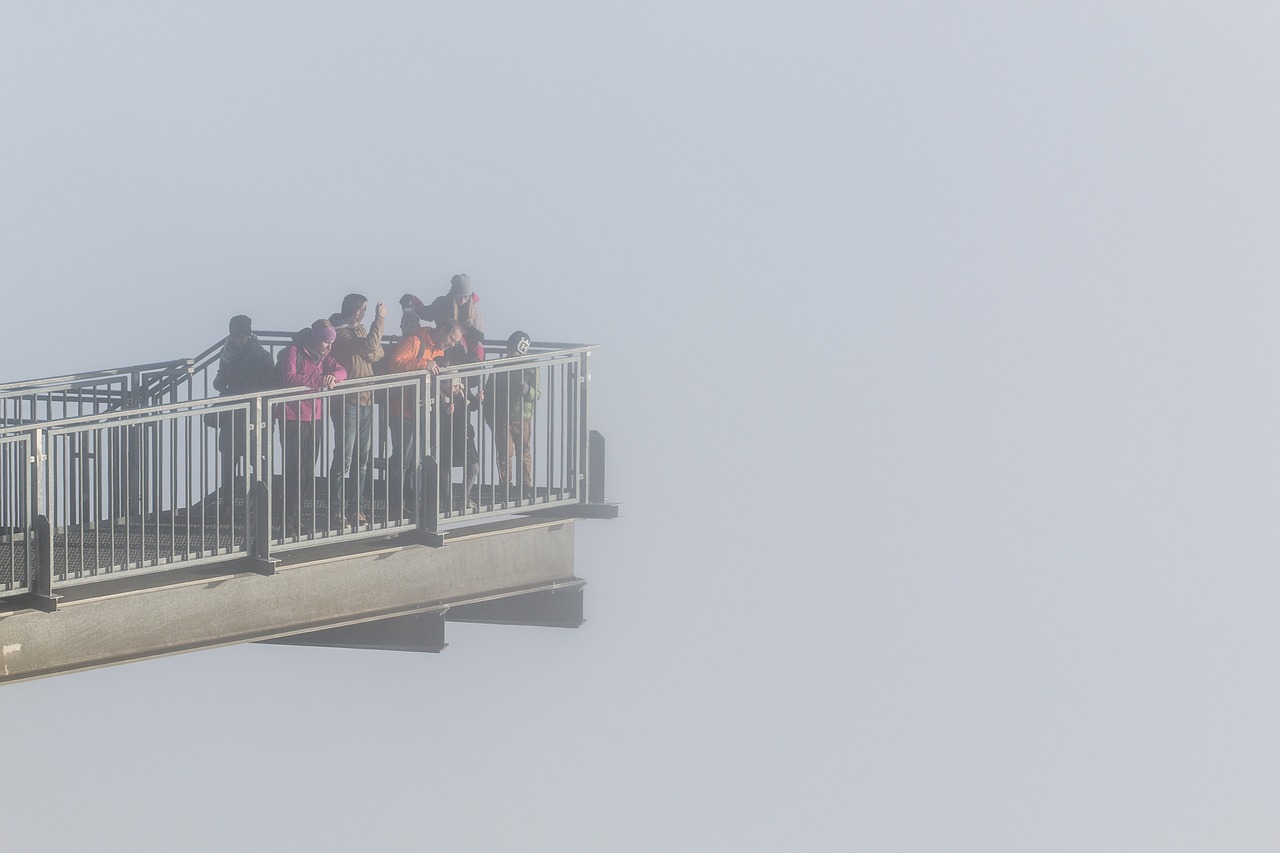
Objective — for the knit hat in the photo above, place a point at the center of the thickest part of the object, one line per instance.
(240, 325)
(460, 285)
(323, 332)
(409, 302)
(518, 343)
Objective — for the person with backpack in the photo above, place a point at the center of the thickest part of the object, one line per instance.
(306, 363)
(244, 367)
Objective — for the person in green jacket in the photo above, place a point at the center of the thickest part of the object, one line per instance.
(510, 398)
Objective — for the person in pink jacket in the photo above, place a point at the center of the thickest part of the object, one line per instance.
(305, 363)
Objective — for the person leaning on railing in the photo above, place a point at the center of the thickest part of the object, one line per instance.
(510, 398)
(305, 363)
(418, 350)
(460, 304)
(458, 399)
(244, 367)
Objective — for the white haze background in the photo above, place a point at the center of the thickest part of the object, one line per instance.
(938, 383)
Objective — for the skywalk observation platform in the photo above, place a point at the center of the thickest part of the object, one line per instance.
(142, 515)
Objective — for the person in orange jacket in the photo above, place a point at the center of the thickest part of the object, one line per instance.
(418, 350)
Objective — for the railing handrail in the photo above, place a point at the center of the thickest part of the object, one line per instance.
(209, 355)
(298, 392)
(89, 377)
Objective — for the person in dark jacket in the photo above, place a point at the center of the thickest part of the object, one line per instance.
(458, 398)
(460, 305)
(244, 367)
(510, 398)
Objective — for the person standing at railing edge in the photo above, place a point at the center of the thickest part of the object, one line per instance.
(418, 350)
(460, 305)
(352, 414)
(244, 367)
(305, 363)
(510, 398)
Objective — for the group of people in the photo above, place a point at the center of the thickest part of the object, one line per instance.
(341, 349)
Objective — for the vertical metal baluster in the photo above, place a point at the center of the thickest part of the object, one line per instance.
(172, 502)
(96, 514)
(566, 398)
(188, 504)
(209, 448)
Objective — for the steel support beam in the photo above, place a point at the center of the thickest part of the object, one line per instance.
(559, 608)
(417, 632)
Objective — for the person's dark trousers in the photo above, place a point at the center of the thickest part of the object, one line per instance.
(233, 449)
(403, 463)
(298, 445)
(457, 450)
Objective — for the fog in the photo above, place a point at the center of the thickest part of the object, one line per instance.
(935, 379)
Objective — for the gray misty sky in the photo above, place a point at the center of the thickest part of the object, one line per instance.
(937, 383)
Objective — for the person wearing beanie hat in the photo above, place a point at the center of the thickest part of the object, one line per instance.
(459, 304)
(244, 367)
(307, 363)
(510, 400)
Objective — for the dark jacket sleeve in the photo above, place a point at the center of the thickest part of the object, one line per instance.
(440, 309)
(264, 374)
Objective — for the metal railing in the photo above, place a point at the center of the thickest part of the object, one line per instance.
(17, 472)
(126, 484)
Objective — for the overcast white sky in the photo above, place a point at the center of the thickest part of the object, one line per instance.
(938, 384)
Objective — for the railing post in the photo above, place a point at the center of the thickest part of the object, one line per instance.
(427, 495)
(40, 581)
(40, 575)
(595, 455)
(260, 530)
(584, 426)
(259, 501)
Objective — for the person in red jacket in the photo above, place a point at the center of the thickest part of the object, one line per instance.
(305, 363)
